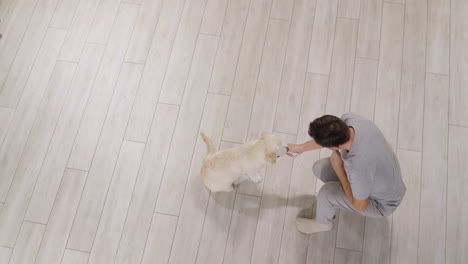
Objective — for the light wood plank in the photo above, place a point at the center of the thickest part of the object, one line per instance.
(322, 246)
(350, 234)
(192, 213)
(364, 87)
(389, 74)
(294, 244)
(186, 132)
(78, 31)
(377, 242)
(282, 9)
(406, 218)
(61, 143)
(118, 199)
(242, 230)
(269, 79)
(155, 68)
(458, 67)
(217, 221)
(105, 158)
(6, 115)
(161, 234)
(413, 76)
(103, 21)
(438, 36)
(26, 111)
(103, 89)
(29, 165)
(457, 233)
(29, 240)
(342, 68)
(432, 232)
(323, 35)
(61, 219)
(136, 2)
(13, 33)
(5, 254)
(140, 212)
(295, 68)
(75, 257)
(267, 246)
(263, 114)
(213, 17)
(143, 32)
(229, 47)
(343, 256)
(349, 9)
(64, 13)
(248, 68)
(178, 69)
(23, 63)
(370, 22)
(6, 10)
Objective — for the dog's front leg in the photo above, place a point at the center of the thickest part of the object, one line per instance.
(256, 177)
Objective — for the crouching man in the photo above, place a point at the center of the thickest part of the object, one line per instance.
(362, 174)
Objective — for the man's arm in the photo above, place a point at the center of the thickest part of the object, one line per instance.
(337, 164)
(299, 148)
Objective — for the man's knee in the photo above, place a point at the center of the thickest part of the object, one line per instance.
(318, 167)
(329, 190)
(321, 167)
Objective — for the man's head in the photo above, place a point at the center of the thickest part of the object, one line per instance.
(329, 131)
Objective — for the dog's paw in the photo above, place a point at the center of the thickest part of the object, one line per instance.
(257, 179)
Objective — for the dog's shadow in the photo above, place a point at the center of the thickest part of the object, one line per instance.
(246, 206)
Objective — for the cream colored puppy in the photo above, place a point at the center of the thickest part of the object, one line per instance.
(221, 170)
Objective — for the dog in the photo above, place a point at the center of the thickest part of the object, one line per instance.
(221, 170)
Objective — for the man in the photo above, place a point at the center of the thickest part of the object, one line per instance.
(362, 174)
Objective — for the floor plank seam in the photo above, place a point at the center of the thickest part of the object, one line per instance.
(438, 74)
(78, 250)
(36, 223)
(208, 34)
(314, 73)
(364, 58)
(228, 95)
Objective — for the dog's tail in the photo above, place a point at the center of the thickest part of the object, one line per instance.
(208, 142)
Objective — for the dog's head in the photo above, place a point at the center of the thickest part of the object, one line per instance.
(274, 147)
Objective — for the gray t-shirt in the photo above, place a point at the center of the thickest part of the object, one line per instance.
(371, 165)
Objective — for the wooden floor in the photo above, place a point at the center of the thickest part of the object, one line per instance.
(102, 102)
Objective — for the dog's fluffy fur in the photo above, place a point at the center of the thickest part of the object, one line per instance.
(221, 170)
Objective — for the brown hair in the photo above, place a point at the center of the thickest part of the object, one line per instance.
(329, 131)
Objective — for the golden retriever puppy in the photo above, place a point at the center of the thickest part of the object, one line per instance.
(221, 170)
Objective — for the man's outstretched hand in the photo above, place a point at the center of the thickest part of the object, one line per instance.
(295, 149)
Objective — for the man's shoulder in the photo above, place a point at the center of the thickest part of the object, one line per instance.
(354, 116)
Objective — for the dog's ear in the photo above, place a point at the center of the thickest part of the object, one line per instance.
(263, 135)
(270, 157)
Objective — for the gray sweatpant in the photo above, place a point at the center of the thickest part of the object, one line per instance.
(331, 196)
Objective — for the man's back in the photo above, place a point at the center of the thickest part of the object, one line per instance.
(371, 165)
